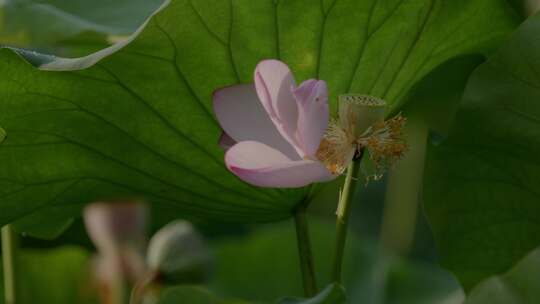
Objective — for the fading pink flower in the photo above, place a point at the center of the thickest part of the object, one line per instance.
(273, 128)
(118, 232)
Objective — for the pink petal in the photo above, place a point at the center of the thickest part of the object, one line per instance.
(107, 269)
(312, 98)
(242, 117)
(118, 232)
(263, 166)
(275, 83)
(112, 226)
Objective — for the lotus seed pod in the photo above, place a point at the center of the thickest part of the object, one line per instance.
(359, 112)
(177, 251)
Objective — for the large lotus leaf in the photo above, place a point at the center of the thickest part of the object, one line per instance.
(47, 224)
(481, 184)
(136, 119)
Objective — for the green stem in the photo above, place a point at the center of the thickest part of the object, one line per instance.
(403, 191)
(343, 212)
(8, 259)
(304, 249)
(401, 203)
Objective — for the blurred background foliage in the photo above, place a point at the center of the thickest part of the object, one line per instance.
(388, 261)
(70, 28)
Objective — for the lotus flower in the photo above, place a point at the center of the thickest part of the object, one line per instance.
(273, 128)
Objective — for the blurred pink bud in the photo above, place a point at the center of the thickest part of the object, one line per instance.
(118, 230)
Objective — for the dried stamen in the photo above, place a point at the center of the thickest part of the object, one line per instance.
(337, 148)
(362, 127)
(385, 143)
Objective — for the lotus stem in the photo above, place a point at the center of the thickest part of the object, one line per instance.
(8, 260)
(344, 208)
(307, 265)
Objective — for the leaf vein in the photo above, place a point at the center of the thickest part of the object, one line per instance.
(141, 143)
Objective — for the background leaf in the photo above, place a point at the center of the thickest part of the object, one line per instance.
(518, 286)
(46, 24)
(54, 276)
(194, 295)
(481, 183)
(436, 99)
(333, 294)
(371, 276)
(138, 121)
(47, 224)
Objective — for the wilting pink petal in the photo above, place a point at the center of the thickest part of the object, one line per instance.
(108, 274)
(263, 166)
(118, 232)
(275, 84)
(242, 117)
(312, 98)
(113, 225)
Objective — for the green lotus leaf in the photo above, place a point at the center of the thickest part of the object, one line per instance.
(481, 184)
(135, 119)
